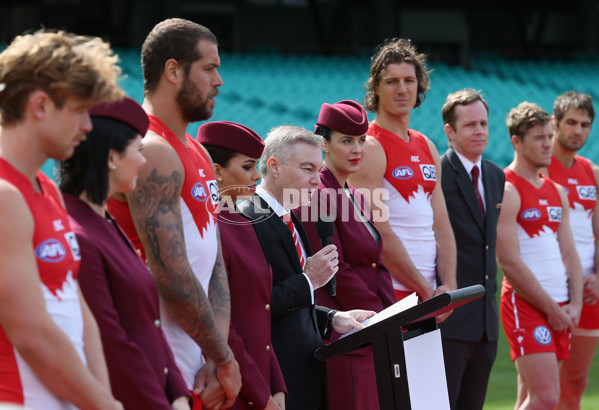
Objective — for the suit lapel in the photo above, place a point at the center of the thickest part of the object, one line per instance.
(265, 214)
(464, 184)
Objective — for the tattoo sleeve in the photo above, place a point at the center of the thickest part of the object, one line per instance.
(156, 212)
(218, 292)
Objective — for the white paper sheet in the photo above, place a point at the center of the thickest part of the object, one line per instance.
(426, 372)
(394, 309)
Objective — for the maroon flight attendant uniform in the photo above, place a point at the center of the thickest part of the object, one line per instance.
(123, 297)
(363, 282)
(250, 285)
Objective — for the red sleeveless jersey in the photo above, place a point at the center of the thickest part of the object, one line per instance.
(57, 256)
(410, 178)
(538, 219)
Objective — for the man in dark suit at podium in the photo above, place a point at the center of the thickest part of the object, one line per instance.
(473, 189)
(290, 167)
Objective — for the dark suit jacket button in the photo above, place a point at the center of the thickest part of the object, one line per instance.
(486, 247)
(486, 277)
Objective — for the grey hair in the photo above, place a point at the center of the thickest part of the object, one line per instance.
(280, 141)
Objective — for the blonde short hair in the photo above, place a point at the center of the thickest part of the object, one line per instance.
(62, 65)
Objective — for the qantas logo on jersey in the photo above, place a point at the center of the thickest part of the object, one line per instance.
(531, 214)
(429, 172)
(198, 192)
(213, 189)
(403, 173)
(415, 158)
(572, 181)
(555, 213)
(587, 192)
(51, 250)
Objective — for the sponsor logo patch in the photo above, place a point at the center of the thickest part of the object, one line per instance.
(213, 189)
(403, 173)
(555, 213)
(530, 214)
(73, 244)
(51, 250)
(198, 192)
(429, 172)
(587, 192)
(542, 335)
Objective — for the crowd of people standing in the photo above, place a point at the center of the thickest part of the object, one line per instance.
(159, 274)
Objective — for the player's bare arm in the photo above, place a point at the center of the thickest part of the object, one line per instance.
(446, 246)
(156, 212)
(571, 260)
(591, 282)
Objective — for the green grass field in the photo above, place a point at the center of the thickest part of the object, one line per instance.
(501, 394)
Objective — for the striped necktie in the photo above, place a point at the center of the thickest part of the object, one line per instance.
(287, 219)
(475, 173)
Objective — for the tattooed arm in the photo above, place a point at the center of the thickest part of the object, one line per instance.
(218, 288)
(156, 212)
(218, 292)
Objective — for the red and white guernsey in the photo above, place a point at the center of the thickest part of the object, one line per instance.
(581, 188)
(198, 202)
(57, 256)
(410, 178)
(538, 219)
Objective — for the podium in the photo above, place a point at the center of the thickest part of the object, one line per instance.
(393, 346)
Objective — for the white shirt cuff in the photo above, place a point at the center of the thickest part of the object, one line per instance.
(311, 287)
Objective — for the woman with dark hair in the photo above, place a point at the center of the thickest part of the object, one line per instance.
(363, 281)
(116, 284)
(235, 150)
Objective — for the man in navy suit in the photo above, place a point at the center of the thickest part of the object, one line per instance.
(290, 166)
(473, 189)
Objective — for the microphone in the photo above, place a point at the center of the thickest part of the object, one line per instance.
(325, 229)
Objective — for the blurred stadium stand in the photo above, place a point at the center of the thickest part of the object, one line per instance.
(281, 59)
(265, 89)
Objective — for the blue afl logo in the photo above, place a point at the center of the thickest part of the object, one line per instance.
(531, 214)
(403, 173)
(542, 335)
(51, 250)
(198, 192)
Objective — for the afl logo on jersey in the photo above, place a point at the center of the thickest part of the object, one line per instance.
(198, 192)
(542, 335)
(403, 173)
(51, 250)
(531, 214)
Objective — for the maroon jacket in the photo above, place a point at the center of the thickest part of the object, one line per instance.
(250, 285)
(363, 282)
(123, 298)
